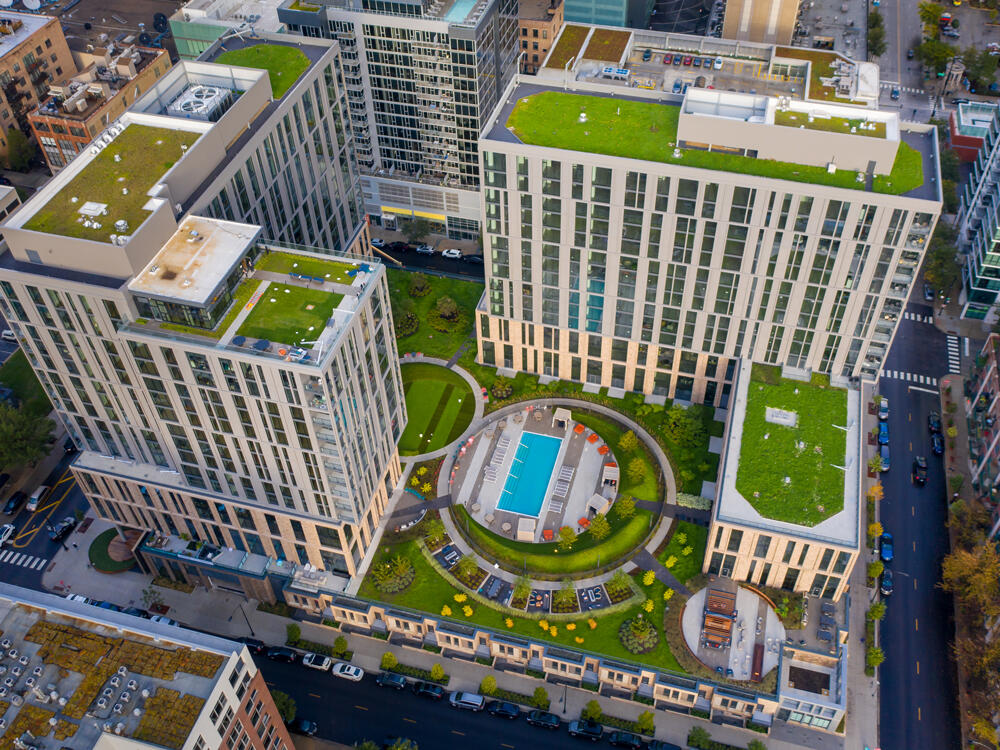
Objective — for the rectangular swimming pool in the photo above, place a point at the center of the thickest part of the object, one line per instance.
(528, 478)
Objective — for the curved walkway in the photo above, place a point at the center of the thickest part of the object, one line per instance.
(477, 391)
(643, 556)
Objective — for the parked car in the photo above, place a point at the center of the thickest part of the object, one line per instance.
(428, 690)
(390, 679)
(474, 259)
(301, 725)
(885, 550)
(107, 605)
(254, 646)
(717, 65)
(883, 455)
(165, 621)
(625, 739)
(677, 86)
(398, 247)
(661, 745)
(928, 292)
(452, 253)
(6, 532)
(919, 473)
(587, 729)
(934, 422)
(543, 719)
(62, 529)
(425, 250)
(677, 59)
(883, 408)
(69, 446)
(909, 54)
(136, 612)
(647, 55)
(937, 444)
(317, 661)
(378, 242)
(894, 94)
(280, 653)
(8, 335)
(503, 709)
(883, 433)
(885, 585)
(347, 671)
(467, 701)
(14, 502)
(37, 497)
(707, 62)
(78, 598)
(687, 60)
(696, 62)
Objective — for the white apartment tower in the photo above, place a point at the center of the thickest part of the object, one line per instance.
(237, 397)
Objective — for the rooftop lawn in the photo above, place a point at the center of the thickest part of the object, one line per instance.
(648, 131)
(822, 67)
(807, 454)
(146, 155)
(829, 124)
(607, 45)
(331, 270)
(283, 64)
(568, 47)
(17, 375)
(287, 314)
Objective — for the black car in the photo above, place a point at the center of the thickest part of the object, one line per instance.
(62, 529)
(308, 727)
(428, 690)
(5, 181)
(14, 502)
(503, 709)
(390, 679)
(586, 729)
(934, 422)
(937, 444)
(476, 259)
(69, 446)
(919, 474)
(136, 612)
(398, 247)
(625, 739)
(280, 653)
(661, 745)
(886, 586)
(543, 719)
(253, 645)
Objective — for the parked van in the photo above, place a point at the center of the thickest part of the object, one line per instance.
(37, 497)
(467, 701)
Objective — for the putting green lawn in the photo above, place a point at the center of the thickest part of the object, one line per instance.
(330, 270)
(287, 314)
(17, 375)
(439, 406)
(808, 454)
(283, 64)
(146, 155)
(647, 130)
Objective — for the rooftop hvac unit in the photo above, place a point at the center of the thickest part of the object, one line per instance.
(199, 102)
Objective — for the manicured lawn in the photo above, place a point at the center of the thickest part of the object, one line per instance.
(330, 270)
(283, 64)
(287, 314)
(646, 130)
(241, 296)
(146, 155)
(99, 557)
(568, 47)
(687, 566)
(545, 559)
(17, 375)
(808, 454)
(439, 405)
(429, 592)
(427, 340)
(829, 124)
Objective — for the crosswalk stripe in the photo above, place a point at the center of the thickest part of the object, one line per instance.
(909, 377)
(41, 563)
(5, 555)
(16, 560)
(29, 561)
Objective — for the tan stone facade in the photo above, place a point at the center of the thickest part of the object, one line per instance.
(539, 22)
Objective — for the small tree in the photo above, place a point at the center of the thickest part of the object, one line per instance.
(340, 646)
(628, 443)
(565, 596)
(434, 531)
(447, 308)
(875, 492)
(874, 464)
(465, 567)
(874, 656)
(540, 698)
(698, 736)
(389, 660)
(522, 588)
(625, 507)
(285, 705)
(20, 151)
(151, 597)
(875, 569)
(874, 530)
(645, 723)
(599, 527)
(876, 612)
(437, 673)
(592, 711)
(416, 230)
(489, 685)
(567, 538)
(619, 584)
(24, 437)
(636, 470)
(419, 285)
(293, 634)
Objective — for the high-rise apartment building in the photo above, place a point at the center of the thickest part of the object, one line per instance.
(422, 77)
(646, 241)
(979, 224)
(112, 79)
(237, 397)
(768, 21)
(33, 54)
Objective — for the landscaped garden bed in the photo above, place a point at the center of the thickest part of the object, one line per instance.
(686, 549)
(425, 339)
(568, 47)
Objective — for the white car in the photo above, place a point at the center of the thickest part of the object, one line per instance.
(378, 242)
(8, 335)
(6, 532)
(425, 250)
(317, 661)
(717, 65)
(37, 497)
(164, 621)
(348, 671)
(78, 598)
(452, 253)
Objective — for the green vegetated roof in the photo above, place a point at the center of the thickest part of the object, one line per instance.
(283, 64)
(570, 42)
(808, 454)
(290, 314)
(146, 154)
(648, 131)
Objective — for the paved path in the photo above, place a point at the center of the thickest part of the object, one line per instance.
(645, 560)
(683, 513)
(461, 350)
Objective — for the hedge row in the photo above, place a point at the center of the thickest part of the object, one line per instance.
(418, 673)
(525, 700)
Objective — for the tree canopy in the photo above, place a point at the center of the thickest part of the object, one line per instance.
(24, 438)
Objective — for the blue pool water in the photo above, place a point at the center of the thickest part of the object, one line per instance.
(528, 478)
(459, 10)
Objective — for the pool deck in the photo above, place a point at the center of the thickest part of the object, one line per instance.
(472, 487)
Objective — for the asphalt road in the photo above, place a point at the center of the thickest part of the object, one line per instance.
(903, 32)
(436, 264)
(350, 712)
(918, 691)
